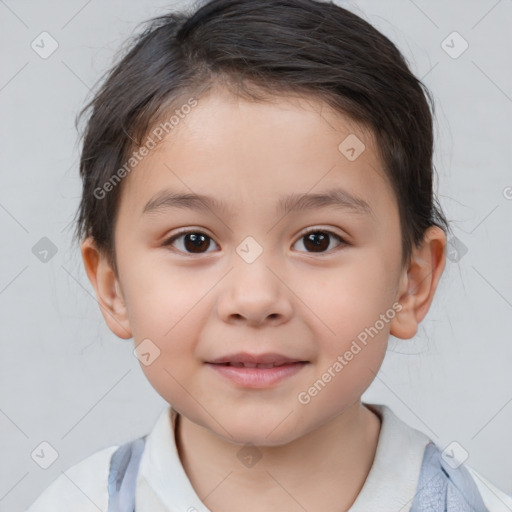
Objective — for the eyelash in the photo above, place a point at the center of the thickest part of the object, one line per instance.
(172, 239)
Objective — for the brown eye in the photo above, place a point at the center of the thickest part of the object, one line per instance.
(193, 242)
(319, 240)
(197, 242)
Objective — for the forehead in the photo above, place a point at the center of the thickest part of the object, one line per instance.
(242, 153)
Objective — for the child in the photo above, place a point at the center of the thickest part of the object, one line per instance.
(290, 141)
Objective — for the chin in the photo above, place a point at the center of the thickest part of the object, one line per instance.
(258, 439)
(259, 433)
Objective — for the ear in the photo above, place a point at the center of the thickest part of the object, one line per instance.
(418, 283)
(107, 288)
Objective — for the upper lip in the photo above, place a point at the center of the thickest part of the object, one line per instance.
(267, 358)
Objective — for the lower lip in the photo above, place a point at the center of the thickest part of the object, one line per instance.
(257, 377)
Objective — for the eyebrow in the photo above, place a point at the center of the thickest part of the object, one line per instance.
(335, 198)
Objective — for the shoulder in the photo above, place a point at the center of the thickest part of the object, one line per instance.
(420, 450)
(81, 488)
(495, 500)
(459, 485)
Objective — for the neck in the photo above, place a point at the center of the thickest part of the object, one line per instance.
(325, 468)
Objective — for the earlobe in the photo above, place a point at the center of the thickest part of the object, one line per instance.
(107, 288)
(418, 283)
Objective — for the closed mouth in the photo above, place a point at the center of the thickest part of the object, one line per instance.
(259, 365)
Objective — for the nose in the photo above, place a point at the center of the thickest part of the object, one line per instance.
(254, 294)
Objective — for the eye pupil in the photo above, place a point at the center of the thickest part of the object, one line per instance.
(319, 240)
(197, 240)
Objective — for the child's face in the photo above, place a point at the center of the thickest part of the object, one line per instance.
(215, 300)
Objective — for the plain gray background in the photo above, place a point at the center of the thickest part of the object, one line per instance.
(67, 380)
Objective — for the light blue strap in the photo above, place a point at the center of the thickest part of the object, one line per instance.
(442, 488)
(122, 478)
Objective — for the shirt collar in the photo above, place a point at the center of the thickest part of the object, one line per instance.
(389, 487)
(393, 478)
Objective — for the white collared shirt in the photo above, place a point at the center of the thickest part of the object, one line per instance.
(163, 485)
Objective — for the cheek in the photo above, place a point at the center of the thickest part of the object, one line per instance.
(349, 305)
(174, 333)
(164, 310)
(349, 298)
(159, 298)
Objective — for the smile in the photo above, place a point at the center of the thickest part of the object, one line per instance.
(254, 375)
